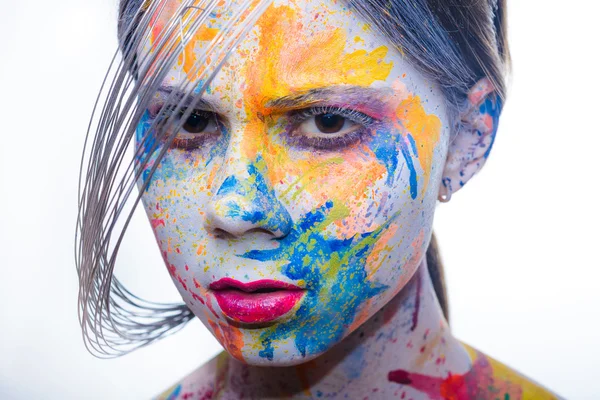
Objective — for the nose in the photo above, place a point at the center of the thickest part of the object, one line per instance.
(245, 203)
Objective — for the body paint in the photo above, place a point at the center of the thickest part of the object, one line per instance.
(487, 379)
(341, 223)
(309, 256)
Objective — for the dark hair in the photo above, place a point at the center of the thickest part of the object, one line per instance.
(452, 42)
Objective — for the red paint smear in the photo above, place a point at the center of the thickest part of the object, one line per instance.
(208, 395)
(197, 284)
(399, 376)
(210, 307)
(182, 282)
(157, 222)
(196, 297)
(478, 382)
(415, 316)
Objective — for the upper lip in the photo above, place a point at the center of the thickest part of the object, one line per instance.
(255, 286)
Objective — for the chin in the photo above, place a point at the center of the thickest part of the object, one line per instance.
(290, 359)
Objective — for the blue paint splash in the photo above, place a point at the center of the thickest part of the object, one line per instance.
(145, 143)
(385, 146)
(146, 139)
(411, 167)
(493, 108)
(335, 276)
(264, 210)
(175, 393)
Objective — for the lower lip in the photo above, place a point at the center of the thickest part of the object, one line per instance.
(257, 308)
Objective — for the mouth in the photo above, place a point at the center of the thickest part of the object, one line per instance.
(255, 302)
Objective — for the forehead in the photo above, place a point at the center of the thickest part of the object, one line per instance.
(295, 45)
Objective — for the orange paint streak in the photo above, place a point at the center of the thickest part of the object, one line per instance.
(362, 316)
(189, 57)
(374, 260)
(233, 340)
(211, 177)
(416, 257)
(291, 58)
(216, 330)
(424, 128)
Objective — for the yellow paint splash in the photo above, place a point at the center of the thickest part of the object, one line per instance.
(424, 128)
(528, 389)
(291, 59)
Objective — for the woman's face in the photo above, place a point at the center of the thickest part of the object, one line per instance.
(298, 198)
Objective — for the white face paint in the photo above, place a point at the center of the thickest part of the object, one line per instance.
(303, 201)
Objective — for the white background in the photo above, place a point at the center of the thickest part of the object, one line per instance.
(520, 243)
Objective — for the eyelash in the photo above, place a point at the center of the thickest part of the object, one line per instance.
(293, 137)
(165, 112)
(333, 143)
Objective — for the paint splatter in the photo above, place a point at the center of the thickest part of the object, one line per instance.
(335, 274)
(171, 394)
(492, 110)
(263, 209)
(487, 379)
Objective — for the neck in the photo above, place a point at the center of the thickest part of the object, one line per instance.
(409, 334)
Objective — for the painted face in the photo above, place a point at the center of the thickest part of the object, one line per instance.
(301, 201)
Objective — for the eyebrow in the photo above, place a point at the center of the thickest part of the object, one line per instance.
(376, 98)
(357, 96)
(199, 102)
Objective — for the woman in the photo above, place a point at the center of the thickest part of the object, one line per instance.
(290, 156)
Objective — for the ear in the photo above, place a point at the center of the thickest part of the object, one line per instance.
(472, 142)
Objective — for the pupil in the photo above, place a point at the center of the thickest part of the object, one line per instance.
(329, 123)
(195, 123)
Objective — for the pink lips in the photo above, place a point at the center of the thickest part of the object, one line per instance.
(255, 302)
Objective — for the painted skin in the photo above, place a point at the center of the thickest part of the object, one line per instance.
(263, 192)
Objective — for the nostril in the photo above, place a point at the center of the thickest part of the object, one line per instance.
(222, 234)
(260, 230)
(243, 206)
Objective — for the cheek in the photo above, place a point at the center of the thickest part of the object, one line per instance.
(174, 203)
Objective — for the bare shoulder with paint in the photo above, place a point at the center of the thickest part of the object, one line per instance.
(199, 385)
(493, 376)
(486, 379)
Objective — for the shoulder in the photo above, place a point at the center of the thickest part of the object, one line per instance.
(486, 379)
(199, 385)
(488, 375)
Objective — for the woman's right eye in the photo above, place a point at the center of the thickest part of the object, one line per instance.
(197, 122)
(197, 128)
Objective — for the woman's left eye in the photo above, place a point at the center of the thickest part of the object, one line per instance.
(327, 124)
(329, 128)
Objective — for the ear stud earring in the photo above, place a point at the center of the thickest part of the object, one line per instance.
(445, 193)
(445, 197)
